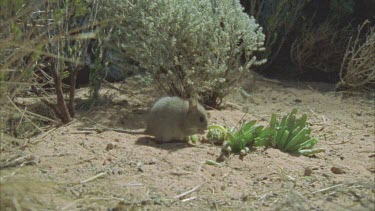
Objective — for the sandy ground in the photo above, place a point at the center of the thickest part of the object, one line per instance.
(71, 170)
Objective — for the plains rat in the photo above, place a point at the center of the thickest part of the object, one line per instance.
(172, 118)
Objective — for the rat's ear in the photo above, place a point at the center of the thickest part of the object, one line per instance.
(193, 104)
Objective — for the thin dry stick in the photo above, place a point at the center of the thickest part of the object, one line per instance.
(41, 138)
(44, 135)
(326, 189)
(3, 179)
(19, 110)
(80, 132)
(100, 130)
(94, 177)
(83, 118)
(16, 204)
(188, 192)
(121, 90)
(282, 173)
(21, 119)
(40, 116)
(89, 198)
(20, 161)
(312, 111)
(189, 199)
(134, 183)
(71, 204)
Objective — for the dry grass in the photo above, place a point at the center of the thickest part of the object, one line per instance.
(358, 65)
(19, 44)
(320, 48)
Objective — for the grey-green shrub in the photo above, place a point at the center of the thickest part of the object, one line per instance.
(190, 47)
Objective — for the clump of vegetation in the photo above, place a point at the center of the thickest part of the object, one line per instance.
(288, 134)
(313, 37)
(249, 134)
(292, 134)
(320, 48)
(320, 44)
(358, 65)
(43, 43)
(191, 47)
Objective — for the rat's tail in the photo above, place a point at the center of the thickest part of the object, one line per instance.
(138, 131)
(99, 130)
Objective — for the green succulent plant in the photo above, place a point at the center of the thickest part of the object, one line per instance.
(288, 134)
(292, 134)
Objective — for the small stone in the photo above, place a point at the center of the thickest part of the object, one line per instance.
(151, 162)
(308, 171)
(110, 146)
(336, 170)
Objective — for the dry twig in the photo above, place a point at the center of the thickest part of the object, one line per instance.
(94, 177)
(188, 192)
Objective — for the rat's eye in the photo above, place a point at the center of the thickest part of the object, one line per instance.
(201, 119)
